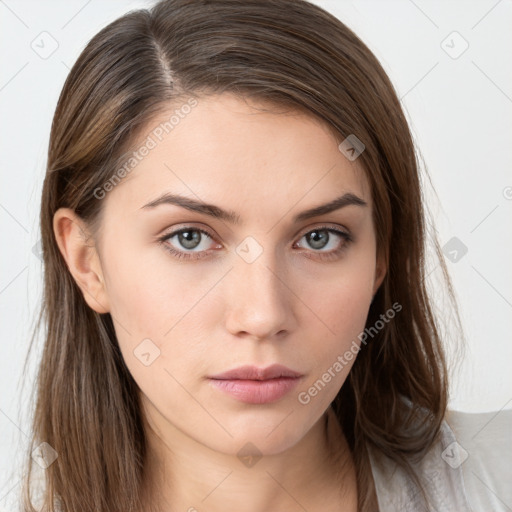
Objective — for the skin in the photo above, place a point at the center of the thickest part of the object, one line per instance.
(290, 306)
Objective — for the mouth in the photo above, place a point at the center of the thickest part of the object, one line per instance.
(253, 385)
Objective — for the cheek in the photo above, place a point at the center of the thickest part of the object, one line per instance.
(341, 302)
(345, 307)
(341, 295)
(162, 313)
(344, 311)
(177, 306)
(149, 292)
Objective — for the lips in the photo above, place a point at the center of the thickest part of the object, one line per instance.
(254, 385)
(274, 371)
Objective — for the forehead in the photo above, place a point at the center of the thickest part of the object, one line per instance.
(224, 147)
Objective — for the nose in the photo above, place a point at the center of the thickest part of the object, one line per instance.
(260, 301)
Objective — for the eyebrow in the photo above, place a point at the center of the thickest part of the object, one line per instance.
(232, 217)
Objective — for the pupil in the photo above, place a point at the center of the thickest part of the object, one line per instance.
(189, 239)
(318, 239)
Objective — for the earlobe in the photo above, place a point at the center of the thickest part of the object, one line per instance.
(82, 259)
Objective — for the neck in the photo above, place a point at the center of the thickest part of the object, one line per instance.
(190, 476)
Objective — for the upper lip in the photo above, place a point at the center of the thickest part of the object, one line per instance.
(249, 372)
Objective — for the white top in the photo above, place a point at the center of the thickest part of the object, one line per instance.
(468, 470)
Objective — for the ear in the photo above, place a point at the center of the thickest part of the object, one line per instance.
(380, 272)
(78, 250)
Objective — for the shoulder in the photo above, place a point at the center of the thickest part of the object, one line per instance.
(439, 475)
(484, 441)
(467, 469)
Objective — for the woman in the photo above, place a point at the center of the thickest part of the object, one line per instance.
(233, 237)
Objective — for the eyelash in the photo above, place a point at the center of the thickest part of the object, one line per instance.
(199, 255)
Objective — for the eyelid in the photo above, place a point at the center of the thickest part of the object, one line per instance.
(339, 230)
(185, 227)
(300, 233)
(320, 226)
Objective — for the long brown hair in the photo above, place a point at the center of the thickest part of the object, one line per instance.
(288, 53)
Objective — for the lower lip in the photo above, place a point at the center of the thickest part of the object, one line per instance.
(257, 391)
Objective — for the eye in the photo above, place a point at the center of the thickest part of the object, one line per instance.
(192, 243)
(188, 241)
(326, 241)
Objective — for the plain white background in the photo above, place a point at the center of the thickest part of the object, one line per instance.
(451, 66)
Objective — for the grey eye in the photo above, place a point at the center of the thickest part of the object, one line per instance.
(318, 238)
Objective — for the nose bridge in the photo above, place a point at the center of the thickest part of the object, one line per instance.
(260, 303)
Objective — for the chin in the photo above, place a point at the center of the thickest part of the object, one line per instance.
(265, 433)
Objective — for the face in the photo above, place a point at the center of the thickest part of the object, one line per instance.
(195, 292)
